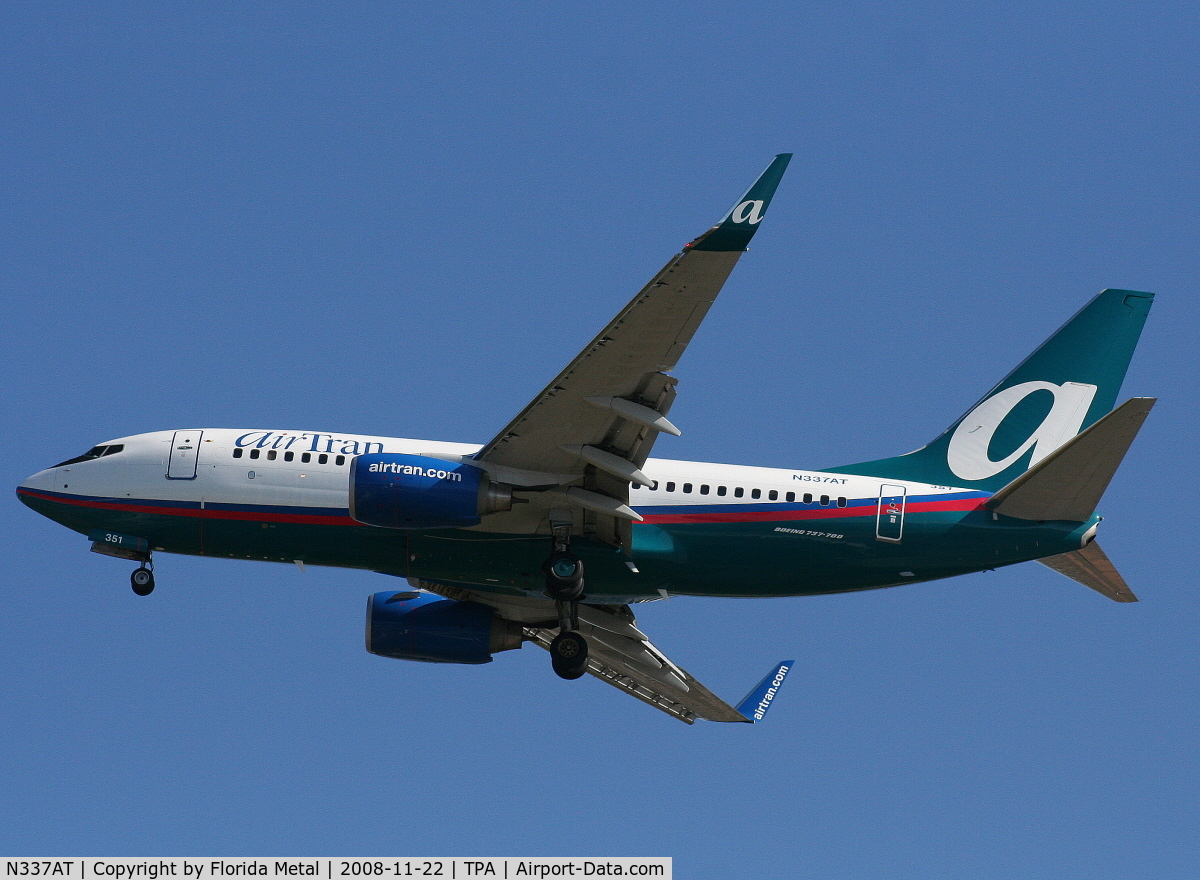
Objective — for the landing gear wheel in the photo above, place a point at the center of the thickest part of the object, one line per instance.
(564, 577)
(569, 654)
(570, 673)
(142, 581)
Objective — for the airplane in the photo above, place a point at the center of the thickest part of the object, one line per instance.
(554, 528)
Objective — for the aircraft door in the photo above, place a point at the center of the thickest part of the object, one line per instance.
(889, 522)
(184, 447)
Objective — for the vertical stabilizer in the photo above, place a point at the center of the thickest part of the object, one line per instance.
(1059, 390)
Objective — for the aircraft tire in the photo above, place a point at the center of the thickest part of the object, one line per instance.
(142, 581)
(568, 655)
(564, 577)
(570, 673)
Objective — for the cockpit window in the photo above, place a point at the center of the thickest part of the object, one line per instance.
(94, 452)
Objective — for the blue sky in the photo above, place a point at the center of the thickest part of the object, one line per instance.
(393, 219)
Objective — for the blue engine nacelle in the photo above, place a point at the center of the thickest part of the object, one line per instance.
(399, 491)
(418, 626)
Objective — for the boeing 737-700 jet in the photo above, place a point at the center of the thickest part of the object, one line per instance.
(550, 531)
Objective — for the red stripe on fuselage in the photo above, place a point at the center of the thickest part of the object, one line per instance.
(727, 516)
(195, 512)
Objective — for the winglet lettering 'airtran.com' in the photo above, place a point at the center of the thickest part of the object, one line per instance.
(756, 703)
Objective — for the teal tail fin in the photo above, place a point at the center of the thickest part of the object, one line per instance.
(1071, 381)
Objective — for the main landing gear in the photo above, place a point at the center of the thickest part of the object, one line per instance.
(564, 584)
(142, 579)
(568, 655)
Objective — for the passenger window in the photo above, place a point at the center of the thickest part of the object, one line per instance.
(341, 460)
(254, 453)
(289, 455)
(654, 486)
(739, 492)
(687, 487)
(824, 500)
(791, 496)
(703, 488)
(237, 453)
(720, 490)
(842, 502)
(306, 457)
(271, 453)
(322, 458)
(756, 493)
(670, 487)
(808, 497)
(773, 495)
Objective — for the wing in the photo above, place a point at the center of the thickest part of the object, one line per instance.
(620, 655)
(618, 652)
(585, 437)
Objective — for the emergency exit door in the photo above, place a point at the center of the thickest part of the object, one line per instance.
(889, 523)
(184, 447)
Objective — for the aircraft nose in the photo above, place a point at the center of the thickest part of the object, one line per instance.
(40, 480)
(36, 493)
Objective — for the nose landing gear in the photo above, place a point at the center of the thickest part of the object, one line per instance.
(128, 547)
(142, 581)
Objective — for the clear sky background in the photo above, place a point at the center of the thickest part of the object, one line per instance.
(392, 219)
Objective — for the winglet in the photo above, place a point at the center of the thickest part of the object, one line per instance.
(758, 701)
(737, 227)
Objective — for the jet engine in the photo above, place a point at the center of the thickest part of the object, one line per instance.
(419, 626)
(398, 491)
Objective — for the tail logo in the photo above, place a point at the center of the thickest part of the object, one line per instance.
(750, 211)
(967, 454)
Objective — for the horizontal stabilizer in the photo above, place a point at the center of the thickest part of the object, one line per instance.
(1068, 483)
(1092, 568)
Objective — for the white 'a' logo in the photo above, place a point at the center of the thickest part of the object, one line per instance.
(749, 211)
(967, 453)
